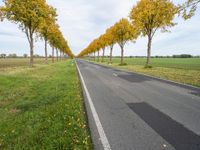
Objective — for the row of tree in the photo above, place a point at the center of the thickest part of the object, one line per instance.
(145, 19)
(36, 19)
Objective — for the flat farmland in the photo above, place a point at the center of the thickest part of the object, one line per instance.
(182, 70)
(177, 63)
(16, 62)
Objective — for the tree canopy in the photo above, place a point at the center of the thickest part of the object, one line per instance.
(151, 15)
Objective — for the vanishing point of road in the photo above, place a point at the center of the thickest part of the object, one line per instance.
(129, 111)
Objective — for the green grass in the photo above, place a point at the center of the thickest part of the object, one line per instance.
(183, 70)
(42, 108)
(177, 63)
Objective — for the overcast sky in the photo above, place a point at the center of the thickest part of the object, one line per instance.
(83, 20)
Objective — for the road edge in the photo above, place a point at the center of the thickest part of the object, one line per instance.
(101, 132)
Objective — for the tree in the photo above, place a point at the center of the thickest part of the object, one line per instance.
(36, 56)
(124, 32)
(52, 37)
(29, 15)
(98, 55)
(12, 55)
(60, 55)
(25, 55)
(1, 14)
(182, 56)
(46, 25)
(102, 45)
(188, 8)
(3, 56)
(58, 42)
(94, 46)
(111, 40)
(151, 15)
(56, 54)
(53, 51)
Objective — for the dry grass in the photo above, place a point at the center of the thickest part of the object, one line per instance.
(16, 62)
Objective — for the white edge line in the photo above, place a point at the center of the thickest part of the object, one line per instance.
(100, 129)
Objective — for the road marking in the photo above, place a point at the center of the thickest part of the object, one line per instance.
(100, 129)
(114, 74)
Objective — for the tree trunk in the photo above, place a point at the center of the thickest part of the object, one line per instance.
(46, 54)
(148, 63)
(29, 34)
(103, 55)
(57, 54)
(98, 56)
(122, 55)
(31, 50)
(63, 56)
(111, 50)
(89, 57)
(94, 57)
(60, 55)
(52, 54)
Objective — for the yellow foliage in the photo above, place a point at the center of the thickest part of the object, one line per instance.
(150, 15)
(124, 31)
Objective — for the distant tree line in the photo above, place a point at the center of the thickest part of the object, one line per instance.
(8, 56)
(182, 56)
(173, 56)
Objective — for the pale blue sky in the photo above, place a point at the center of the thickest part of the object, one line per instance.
(83, 20)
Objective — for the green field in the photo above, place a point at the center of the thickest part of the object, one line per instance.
(42, 108)
(177, 63)
(183, 70)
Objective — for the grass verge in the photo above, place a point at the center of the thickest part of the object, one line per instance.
(176, 63)
(42, 108)
(185, 76)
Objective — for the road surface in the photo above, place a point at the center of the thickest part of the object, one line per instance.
(137, 112)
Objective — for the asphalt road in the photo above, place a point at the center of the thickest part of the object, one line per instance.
(139, 112)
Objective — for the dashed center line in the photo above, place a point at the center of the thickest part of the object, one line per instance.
(114, 74)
